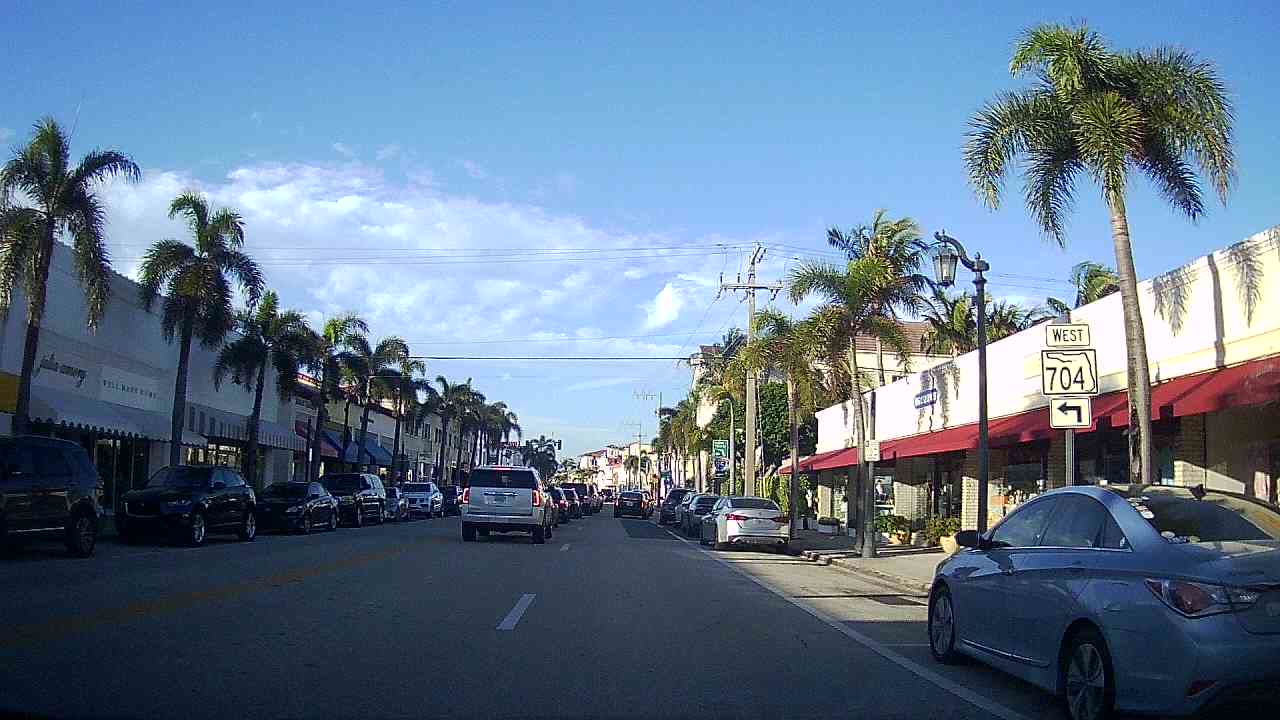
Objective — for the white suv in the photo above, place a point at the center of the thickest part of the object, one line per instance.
(502, 498)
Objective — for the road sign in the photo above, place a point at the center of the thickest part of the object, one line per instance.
(720, 457)
(1069, 372)
(873, 451)
(1072, 413)
(1067, 335)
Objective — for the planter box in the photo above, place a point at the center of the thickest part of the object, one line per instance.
(828, 529)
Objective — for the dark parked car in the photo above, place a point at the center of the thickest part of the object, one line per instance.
(49, 488)
(587, 496)
(667, 512)
(692, 516)
(297, 506)
(575, 503)
(361, 497)
(561, 504)
(631, 502)
(190, 501)
(451, 503)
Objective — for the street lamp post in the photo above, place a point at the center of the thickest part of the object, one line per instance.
(947, 251)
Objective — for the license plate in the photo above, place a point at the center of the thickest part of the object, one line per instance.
(499, 500)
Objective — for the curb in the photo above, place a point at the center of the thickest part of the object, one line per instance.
(908, 584)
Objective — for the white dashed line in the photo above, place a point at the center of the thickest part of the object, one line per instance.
(564, 547)
(517, 612)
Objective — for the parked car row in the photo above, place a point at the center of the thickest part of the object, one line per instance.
(590, 497)
(50, 488)
(727, 521)
(502, 498)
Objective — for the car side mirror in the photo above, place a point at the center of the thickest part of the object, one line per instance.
(217, 485)
(970, 539)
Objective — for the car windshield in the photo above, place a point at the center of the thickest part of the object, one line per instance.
(632, 496)
(338, 484)
(181, 477)
(704, 503)
(417, 488)
(1194, 515)
(286, 490)
(753, 504)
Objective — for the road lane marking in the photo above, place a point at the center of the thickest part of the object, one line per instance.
(982, 703)
(564, 547)
(517, 612)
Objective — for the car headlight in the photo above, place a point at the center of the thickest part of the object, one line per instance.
(294, 510)
(178, 505)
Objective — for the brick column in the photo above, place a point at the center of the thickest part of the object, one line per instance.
(1189, 452)
(969, 491)
(1057, 462)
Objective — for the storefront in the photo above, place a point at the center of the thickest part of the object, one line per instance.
(1214, 351)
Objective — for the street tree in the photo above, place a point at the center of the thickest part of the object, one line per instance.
(54, 199)
(198, 285)
(373, 367)
(1090, 110)
(333, 356)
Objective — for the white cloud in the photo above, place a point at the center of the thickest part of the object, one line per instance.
(473, 169)
(664, 308)
(387, 152)
(344, 150)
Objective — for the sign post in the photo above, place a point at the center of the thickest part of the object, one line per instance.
(719, 460)
(1069, 377)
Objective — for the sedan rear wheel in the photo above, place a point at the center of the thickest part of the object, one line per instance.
(333, 520)
(248, 527)
(1089, 682)
(195, 534)
(82, 535)
(306, 523)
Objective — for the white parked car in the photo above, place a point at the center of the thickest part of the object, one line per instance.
(746, 521)
(506, 499)
(424, 499)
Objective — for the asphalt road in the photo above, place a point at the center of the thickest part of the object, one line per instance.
(611, 618)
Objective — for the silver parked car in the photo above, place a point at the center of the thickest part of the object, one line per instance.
(506, 499)
(424, 499)
(1152, 599)
(745, 521)
(397, 505)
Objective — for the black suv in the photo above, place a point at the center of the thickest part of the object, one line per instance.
(452, 495)
(49, 487)
(190, 501)
(361, 497)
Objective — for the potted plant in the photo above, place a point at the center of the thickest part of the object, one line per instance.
(896, 527)
(828, 525)
(942, 531)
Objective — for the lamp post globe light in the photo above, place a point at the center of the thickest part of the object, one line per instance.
(947, 252)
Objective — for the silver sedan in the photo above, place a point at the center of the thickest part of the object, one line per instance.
(1151, 599)
(746, 521)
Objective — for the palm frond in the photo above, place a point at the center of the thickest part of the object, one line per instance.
(99, 165)
(160, 263)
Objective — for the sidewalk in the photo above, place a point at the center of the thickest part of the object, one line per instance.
(910, 568)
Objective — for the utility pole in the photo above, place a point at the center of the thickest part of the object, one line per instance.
(750, 286)
(657, 413)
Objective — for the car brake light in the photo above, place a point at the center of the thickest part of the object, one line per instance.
(782, 519)
(736, 516)
(537, 499)
(466, 495)
(1194, 599)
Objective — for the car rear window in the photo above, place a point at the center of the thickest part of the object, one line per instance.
(632, 496)
(571, 493)
(753, 504)
(1184, 515)
(705, 503)
(343, 483)
(417, 488)
(676, 496)
(512, 478)
(286, 490)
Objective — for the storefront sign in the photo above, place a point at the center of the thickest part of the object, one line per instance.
(62, 371)
(129, 389)
(926, 398)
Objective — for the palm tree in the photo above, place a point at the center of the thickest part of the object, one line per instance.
(454, 399)
(469, 417)
(332, 355)
(407, 386)
(1161, 112)
(632, 465)
(859, 301)
(791, 348)
(1093, 281)
(898, 243)
(197, 285)
(62, 201)
(373, 368)
(267, 337)
(953, 326)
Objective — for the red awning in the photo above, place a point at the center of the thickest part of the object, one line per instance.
(807, 463)
(841, 459)
(1252, 383)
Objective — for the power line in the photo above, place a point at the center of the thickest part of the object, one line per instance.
(534, 358)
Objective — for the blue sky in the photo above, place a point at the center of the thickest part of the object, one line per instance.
(362, 140)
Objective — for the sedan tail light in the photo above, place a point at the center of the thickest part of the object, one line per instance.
(537, 499)
(1194, 599)
(466, 495)
(736, 516)
(782, 519)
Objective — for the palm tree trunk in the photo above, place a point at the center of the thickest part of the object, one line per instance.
(322, 414)
(395, 458)
(255, 419)
(795, 450)
(444, 439)
(1139, 373)
(880, 358)
(346, 428)
(462, 433)
(364, 433)
(180, 393)
(31, 344)
(868, 499)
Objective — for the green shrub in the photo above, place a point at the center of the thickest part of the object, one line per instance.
(895, 525)
(828, 521)
(939, 527)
